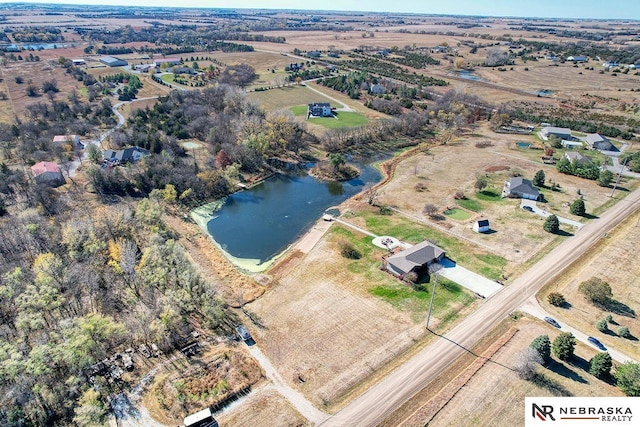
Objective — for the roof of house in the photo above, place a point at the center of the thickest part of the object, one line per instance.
(319, 104)
(552, 129)
(125, 155)
(523, 186)
(483, 223)
(65, 138)
(578, 157)
(417, 255)
(42, 167)
(169, 60)
(594, 138)
(111, 60)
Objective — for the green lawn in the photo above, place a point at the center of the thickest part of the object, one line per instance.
(449, 298)
(343, 119)
(299, 110)
(462, 252)
(458, 214)
(471, 204)
(168, 77)
(489, 195)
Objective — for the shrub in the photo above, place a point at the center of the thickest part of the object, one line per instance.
(526, 362)
(564, 345)
(551, 224)
(609, 318)
(628, 378)
(602, 325)
(542, 345)
(556, 298)
(600, 365)
(596, 290)
(624, 332)
(349, 251)
(420, 186)
(384, 210)
(577, 207)
(459, 195)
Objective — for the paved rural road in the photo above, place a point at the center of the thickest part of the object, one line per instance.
(382, 399)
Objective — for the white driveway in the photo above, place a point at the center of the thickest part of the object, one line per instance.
(536, 210)
(468, 279)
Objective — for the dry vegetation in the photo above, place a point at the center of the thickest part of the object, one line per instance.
(201, 382)
(495, 395)
(617, 261)
(265, 407)
(436, 170)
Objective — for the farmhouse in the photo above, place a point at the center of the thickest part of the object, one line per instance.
(481, 226)
(131, 154)
(579, 158)
(47, 173)
(415, 259)
(320, 109)
(562, 133)
(597, 142)
(110, 61)
(521, 188)
(72, 140)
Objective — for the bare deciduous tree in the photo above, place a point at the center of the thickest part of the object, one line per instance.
(526, 362)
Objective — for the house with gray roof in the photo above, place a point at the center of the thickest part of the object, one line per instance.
(131, 154)
(597, 142)
(580, 159)
(562, 133)
(414, 259)
(521, 188)
(319, 109)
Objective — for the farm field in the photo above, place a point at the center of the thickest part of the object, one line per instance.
(495, 395)
(436, 171)
(617, 261)
(313, 332)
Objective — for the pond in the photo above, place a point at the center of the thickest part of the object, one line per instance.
(254, 226)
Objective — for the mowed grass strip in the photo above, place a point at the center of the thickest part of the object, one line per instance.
(343, 119)
(458, 214)
(462, 252)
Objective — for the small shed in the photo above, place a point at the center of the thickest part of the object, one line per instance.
(481, 226)
(201, 419)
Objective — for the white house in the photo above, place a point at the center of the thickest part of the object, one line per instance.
(481, 226)
(562, 133)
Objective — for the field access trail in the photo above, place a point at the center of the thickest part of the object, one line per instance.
(386, 396)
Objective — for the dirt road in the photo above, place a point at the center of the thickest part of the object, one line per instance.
(381, 400)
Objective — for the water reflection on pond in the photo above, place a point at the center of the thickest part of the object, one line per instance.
(259, 223)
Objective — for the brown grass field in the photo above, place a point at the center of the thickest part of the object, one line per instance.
(264, 407)
(617, 261)
(495, 395)
(437, 170)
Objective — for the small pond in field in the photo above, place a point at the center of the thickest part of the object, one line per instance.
(255, 225)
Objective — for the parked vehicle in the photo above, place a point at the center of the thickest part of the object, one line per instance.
(243, 333)
(552, 321)
(597, 343)
(527, 208)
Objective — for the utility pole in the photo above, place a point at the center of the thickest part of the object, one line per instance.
(619, 175)
(434, 268)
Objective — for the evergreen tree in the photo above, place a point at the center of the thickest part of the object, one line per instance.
(564, 345)
(551, 224)
(600, 365)
(578, 208)
(538, 179)
(542, 345)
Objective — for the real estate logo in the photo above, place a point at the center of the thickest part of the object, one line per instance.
(582, 411)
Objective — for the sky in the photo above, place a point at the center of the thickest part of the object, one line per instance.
(603, 9)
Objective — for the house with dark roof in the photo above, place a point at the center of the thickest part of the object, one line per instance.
(481, 226)
(169, 61)
(319, 109)
(597, 142)
(415, 259)
(47, 173)
(580, 159)
(111, 61)
(519, 187)
(131, 154)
